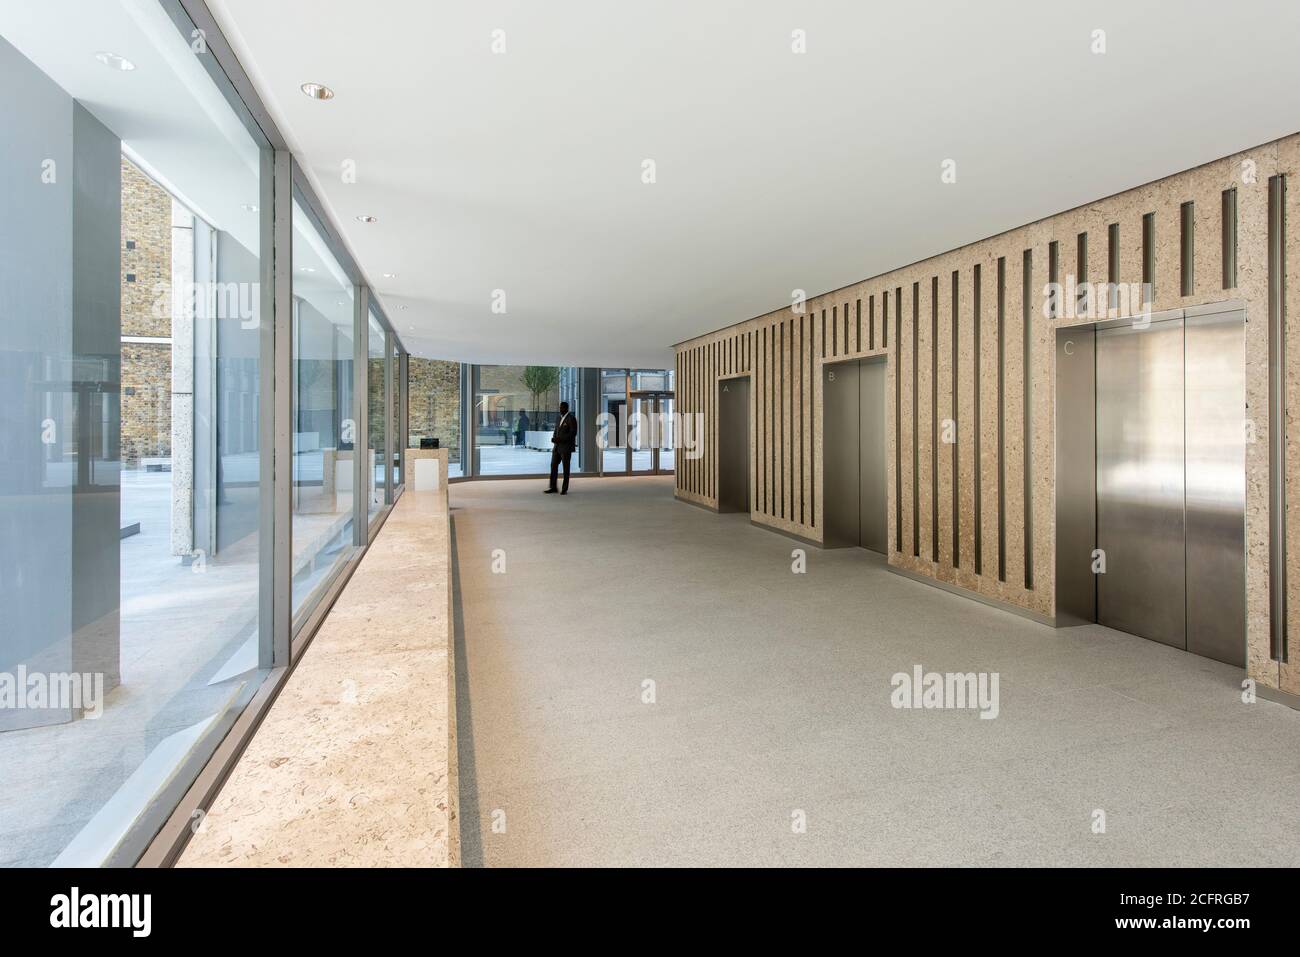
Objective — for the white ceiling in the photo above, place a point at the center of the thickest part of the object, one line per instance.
(171, 118)
(776, 171)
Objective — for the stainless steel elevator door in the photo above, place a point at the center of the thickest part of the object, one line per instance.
(1140, 487)
(840, 412)
(733, 445)
(1216, 486)
(873, 496)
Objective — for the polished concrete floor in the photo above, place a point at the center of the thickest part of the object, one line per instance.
(772, 707)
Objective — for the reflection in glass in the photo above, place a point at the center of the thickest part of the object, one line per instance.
(378, 409)
(613, 401)
(324, 432)
(129, 428)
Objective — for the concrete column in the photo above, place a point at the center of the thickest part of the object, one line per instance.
(186, 300)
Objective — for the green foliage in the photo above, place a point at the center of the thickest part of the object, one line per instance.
(540, 380)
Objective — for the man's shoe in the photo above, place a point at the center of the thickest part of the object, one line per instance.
(565, 492)
(549, 491)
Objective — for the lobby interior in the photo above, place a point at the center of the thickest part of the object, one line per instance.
(931, 495)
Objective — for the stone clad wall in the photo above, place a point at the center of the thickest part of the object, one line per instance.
(433, 392)
(909, 316)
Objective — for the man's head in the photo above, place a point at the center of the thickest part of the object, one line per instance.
(564, 407)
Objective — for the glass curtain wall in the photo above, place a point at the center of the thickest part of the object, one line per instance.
(324, 432)
(130, 518)
(651, 425)
(613, 402)
(507, 415)
(144, 608)
(515, 409)
(377, 405)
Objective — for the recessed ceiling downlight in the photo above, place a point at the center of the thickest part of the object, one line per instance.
(115, 62)
(367, 219)
(317, 91)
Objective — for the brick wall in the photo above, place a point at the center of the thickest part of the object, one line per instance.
(146, 255)
(146, 311)
(146, 401)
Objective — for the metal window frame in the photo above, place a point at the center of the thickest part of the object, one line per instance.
(361, 416)
(403, 416)
(390, 446)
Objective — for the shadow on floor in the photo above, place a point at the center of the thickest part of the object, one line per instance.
(471, 838)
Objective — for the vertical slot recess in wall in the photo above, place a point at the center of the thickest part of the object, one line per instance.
(1026, 390)
(780, 426)
(812, 420)
(1229, 238)
(695, 408)
(858, 314)
(953, 392)
(802, 418)
(898, 419)
(772, 398)
(1002, 418)
(1054, 275)
(1148, 257)
(1187, 247)
(835, 331)
(799, 408)
(871, 322)
(1083, 301)
(934, 419)
(787, 434)
(757, 388)
(916, 451)
(1112, 265)
(762, 420)
(688, 403)
(1277, 411)
(976, 460)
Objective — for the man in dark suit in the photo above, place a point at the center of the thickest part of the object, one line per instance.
(563, 439)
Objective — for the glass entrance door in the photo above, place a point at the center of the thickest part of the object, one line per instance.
(638, 408)
(650, 433)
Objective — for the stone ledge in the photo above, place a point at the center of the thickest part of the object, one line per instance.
(355, 765)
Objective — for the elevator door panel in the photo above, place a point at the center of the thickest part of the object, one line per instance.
(733, 445)
(840, 451)
(1140, 487)
(1216, 487)
(873, 498)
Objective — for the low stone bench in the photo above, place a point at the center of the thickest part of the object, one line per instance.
(355, 764)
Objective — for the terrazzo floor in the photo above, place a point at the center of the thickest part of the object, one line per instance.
(772, 707)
